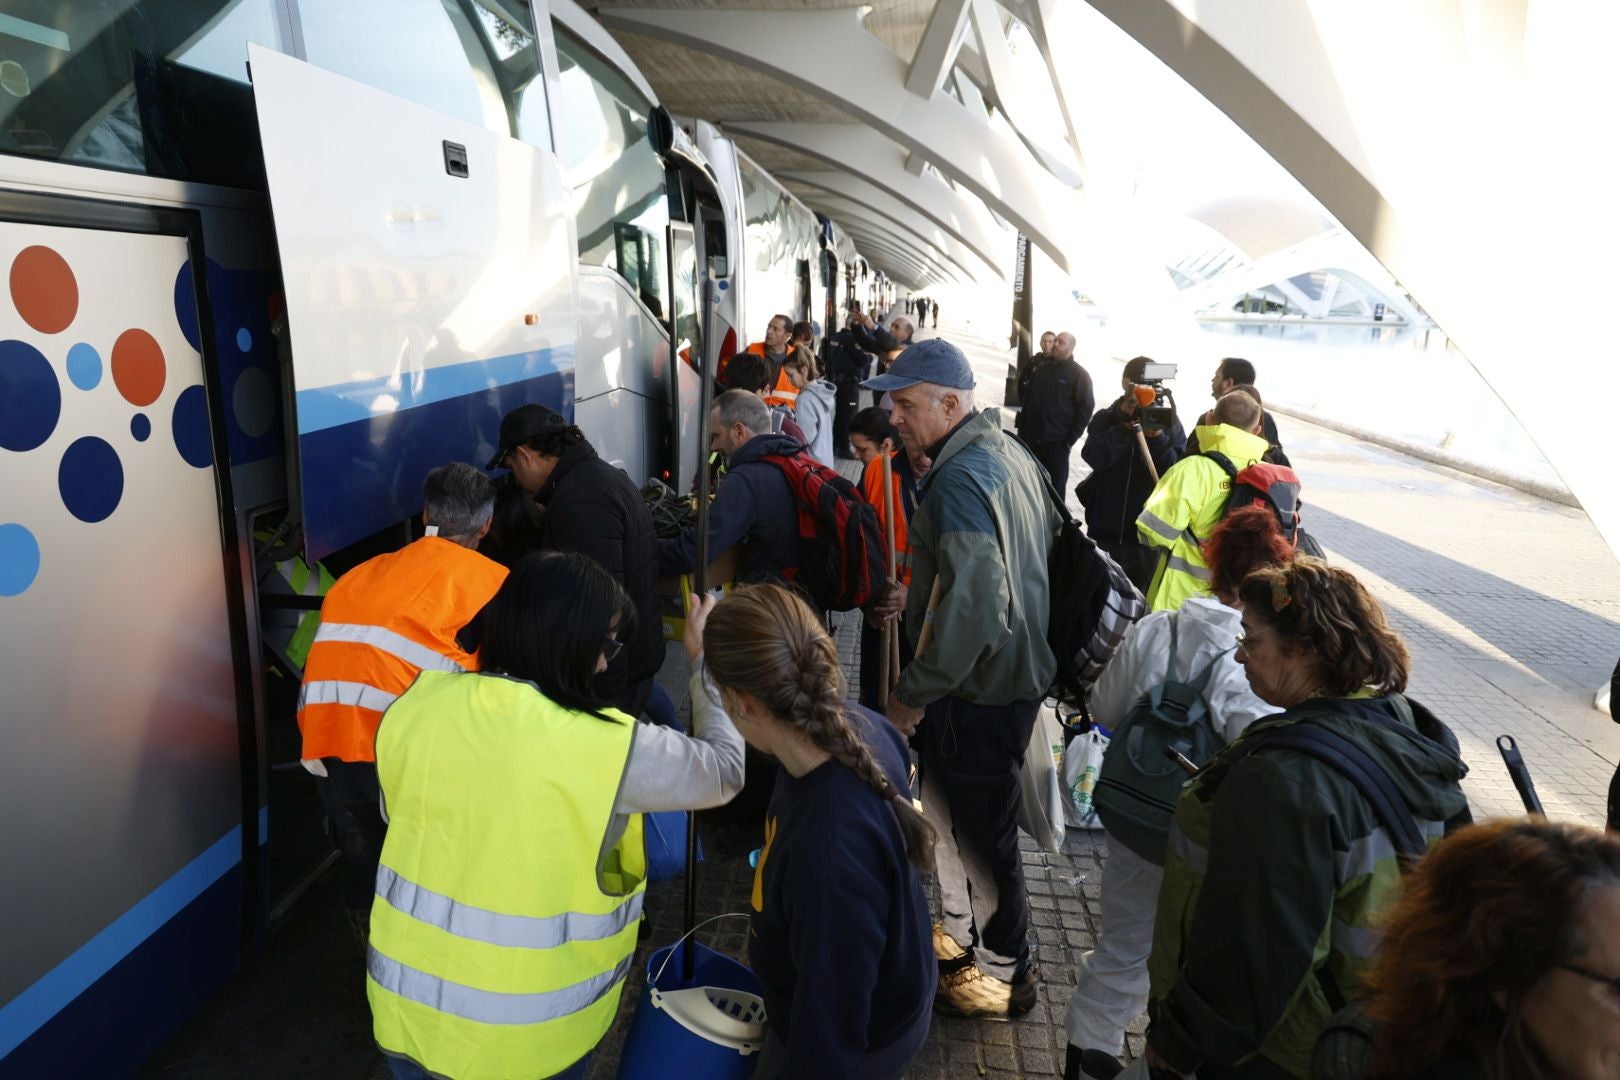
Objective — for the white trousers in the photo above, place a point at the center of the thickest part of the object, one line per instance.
(1113, 977)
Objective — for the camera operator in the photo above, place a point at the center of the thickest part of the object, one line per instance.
(1120, 483)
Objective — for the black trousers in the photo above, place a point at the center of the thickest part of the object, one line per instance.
(1055, 456)
(351, 797)
(971, 756)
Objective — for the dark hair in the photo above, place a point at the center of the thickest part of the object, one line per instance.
(765, 641)
(1328, 613)
(1248, 390)
(1245, 540)
(802, 330)
(514, 530)
(785, 321)
(1135, 366)
(748, 371)
(457, 498)
(1239, 370)
(549, 621)
(1489, 912)
(874, 423)
(552, 443)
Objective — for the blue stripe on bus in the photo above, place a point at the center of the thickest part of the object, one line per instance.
(358, 402)
(365, 476)
(264, 825)
(57, 988)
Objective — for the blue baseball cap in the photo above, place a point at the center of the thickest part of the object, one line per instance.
(934, 361)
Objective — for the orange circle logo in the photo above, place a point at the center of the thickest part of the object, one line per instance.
(44, 289)
(137, 367)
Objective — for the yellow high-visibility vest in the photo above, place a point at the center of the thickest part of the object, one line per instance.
(504, 923)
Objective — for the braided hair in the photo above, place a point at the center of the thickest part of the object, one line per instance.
(765, 641)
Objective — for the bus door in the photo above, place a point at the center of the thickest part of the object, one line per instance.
(429, 274)
(123, 659)
(686, 340)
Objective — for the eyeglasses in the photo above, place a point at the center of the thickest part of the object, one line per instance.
(1613, 981)
(611, 648)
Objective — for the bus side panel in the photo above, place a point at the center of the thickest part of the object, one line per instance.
(621, 368)
(120, 787)
(428, 267)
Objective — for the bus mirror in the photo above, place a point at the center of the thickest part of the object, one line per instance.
(661, 129)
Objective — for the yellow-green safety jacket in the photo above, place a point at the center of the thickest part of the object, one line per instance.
(1185, 507)
(504, 922)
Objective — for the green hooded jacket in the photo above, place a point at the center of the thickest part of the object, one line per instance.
(984, 528)
(1275, 876)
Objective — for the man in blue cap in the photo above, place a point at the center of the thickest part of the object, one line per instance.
(979, 540)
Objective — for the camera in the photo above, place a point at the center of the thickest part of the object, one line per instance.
(1158, 410)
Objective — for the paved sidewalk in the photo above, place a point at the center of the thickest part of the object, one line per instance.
(1510, 607)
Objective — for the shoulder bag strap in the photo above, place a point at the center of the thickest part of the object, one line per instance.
(1357, 766)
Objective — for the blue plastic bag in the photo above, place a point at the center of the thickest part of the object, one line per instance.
(665, 834)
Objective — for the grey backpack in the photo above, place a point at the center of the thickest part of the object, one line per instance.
(1139, 783)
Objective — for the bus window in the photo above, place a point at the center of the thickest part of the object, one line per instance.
(122, 85)
(431, 52)
(617, 177)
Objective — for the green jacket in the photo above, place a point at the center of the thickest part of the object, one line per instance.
(1275, 876)
(984, 527)
(1184, 509)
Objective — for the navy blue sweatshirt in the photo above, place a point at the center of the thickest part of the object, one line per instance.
(753, 506)
(841, 937)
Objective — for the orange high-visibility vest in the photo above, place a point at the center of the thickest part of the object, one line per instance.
(872, 489)
(784, 392)
(385, 621)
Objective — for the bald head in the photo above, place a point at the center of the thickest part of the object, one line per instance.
(901, 328)
(1063, 346)
(1238, 410)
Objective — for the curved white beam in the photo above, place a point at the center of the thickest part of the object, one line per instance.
(892, 209)
(1490, 200)
(850, 213)
(858, 73)
(858, 150)
(922, 261)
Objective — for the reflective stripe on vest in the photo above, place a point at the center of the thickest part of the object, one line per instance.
(504, 925)
(487, 1006)
(383, 623)
(338, 692)
(395, 645)
(517, 931)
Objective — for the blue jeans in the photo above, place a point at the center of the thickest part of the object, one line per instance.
(406, 1069)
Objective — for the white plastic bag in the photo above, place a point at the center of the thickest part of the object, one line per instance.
(1040, 811)
(1081, 762)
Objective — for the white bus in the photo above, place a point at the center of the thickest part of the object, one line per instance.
(268, 262)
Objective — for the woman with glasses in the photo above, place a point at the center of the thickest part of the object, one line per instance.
(510, 889)
(1278, 868)
(1501, 962)
(1112, 985)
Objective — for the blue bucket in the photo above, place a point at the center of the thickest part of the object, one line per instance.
(708, 1027)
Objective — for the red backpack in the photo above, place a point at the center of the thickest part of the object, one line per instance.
(841, 560)
(1275, 486)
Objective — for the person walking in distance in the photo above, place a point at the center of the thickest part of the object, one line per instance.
(1056, 405)
(980, 539)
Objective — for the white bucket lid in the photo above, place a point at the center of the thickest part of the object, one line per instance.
(719, 1015)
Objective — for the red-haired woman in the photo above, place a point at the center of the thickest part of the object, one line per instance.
(1500, 962)
(1113, 980)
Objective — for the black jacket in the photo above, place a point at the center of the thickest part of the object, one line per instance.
(876, 340)
(594, 508)
(1119, 482)
(1056, 402)
(755, 507)
(845, 359)
(1268, 429)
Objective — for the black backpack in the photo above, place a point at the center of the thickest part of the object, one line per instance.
(1276, 486)
(1092, 601)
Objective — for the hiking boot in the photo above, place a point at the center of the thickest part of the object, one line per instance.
(947, 953)
(969, 992)
(1081, 1064)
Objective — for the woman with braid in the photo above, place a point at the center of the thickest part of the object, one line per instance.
(841, 938)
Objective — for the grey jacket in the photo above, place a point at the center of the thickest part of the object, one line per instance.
(984, 527)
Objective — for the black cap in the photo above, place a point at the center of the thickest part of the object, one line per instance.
(524, 424)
